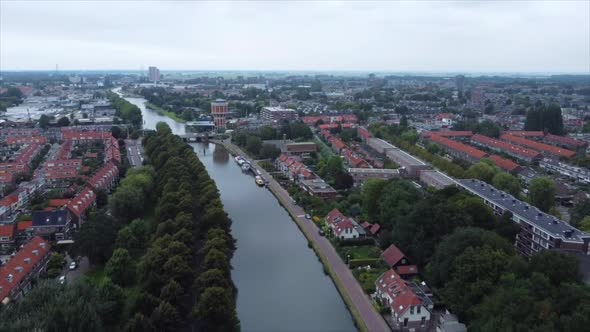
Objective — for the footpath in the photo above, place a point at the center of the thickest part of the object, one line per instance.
(359, 303)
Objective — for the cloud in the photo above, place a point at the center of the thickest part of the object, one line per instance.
(526, 36)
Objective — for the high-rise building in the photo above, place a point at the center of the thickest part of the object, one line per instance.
(219, 111)
(460, 82)
(154, 74)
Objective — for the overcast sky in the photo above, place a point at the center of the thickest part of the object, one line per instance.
(439, 36)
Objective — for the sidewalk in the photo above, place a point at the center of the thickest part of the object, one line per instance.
(358, 302)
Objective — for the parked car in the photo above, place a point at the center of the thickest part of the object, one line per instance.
(73, 265)
(321, 232)
(307, 216)
(62, 280)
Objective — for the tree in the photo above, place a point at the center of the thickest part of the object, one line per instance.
(96, 238)
(55, 265)
(507, 182)
(371, 192)
(63, 122)
(542, 193)
(111, 301)
(127, 203)
(165, 317)
(580, 211)
(585, 224)
(482, 171)
(558, 267)
(269, 151)
(118, 133)
(253, 144)
(120, 268)
(215, 310)
(44, 121)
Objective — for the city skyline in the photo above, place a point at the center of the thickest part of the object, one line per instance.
(431, 37)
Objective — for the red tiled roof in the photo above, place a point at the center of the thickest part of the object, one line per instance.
(343, 226)
(9, 200)
(565, 140)
(335, 125)
(504, 146)
(7, 230)
(59, 202)
(407, 269)
(449, 133)
(23, 226)
(21, 265)
(524, 133)
(104, 176)
(469, 150)
(338, 143)
(79, 204)
(366, 225)
(374, 229)
(85, 135)
(539, 146)
(334, 217)
(398, 290)
(392, 255)
(505, 164)
(26, 140)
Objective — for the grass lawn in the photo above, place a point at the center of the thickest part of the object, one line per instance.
(367, 278)
(161, 111)
(359, 252)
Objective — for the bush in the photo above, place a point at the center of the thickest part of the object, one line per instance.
(356, 242)
(363, 262)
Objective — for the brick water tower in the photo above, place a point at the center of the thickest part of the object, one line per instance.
(219, 111)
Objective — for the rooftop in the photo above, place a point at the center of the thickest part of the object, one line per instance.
(532, 215)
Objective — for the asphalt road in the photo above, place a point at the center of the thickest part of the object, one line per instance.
(72, 275)
(360, 300)
(134, 152)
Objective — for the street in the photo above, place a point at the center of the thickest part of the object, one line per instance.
(72, 275)
(360, 300)
(134, 152)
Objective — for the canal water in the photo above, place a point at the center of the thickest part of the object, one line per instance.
(281, 284)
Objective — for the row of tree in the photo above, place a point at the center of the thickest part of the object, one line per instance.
(126, 111)
(185, 272)
(546, 118)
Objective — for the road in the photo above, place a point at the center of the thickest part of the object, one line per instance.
(72, 275)
(361, 301)
(134, 152)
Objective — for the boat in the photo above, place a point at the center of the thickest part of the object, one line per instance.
(245, 167)
(259, 181)
(239, 160)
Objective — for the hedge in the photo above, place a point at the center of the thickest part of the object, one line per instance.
(363, 262)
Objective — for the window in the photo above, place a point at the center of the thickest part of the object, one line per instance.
(411, 310)
(419, 309)
(405, 322)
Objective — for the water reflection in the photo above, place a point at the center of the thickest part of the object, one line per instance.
(220, 155)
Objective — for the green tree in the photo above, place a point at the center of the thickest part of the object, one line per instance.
(253, 144)
(55, 265)
(558, 267)
(96, 238)
(507, 182)
(215, 310)
(585, 224)
(482, 171)
(44, 121)
(269, 151)
(63, 122)
(542, 193)
(120, 268)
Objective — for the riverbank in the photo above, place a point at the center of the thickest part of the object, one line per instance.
(161, 111)
(359, 305)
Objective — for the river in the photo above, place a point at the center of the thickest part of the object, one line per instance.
(281, 283)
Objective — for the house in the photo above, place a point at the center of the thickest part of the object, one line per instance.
(337, 145)
(342, 227)
(7, 237)
(52, 225)
(105, 178)
(360, 175)
(354, 160)
(318, 188)
(24, 230)
(397, 260)
(410, 306)
(17, 275)
(80, 204)
(371, 229)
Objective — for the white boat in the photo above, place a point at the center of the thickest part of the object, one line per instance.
(259, 180)
(245, 167)
(239, 160)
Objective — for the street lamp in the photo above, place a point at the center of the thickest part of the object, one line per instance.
(348, 260)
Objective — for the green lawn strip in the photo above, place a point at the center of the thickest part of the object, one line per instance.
(161, 111)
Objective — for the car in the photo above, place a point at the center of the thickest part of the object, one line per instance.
(62, 280)
(321, 232)
(73, 265)
(307, 216)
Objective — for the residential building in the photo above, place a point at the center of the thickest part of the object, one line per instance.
(272, 113)
(7, 237)
(52, 225)
(353, 159)
(539, 230)
(18, 274)
(219, 111)
(547, 150)
(337, 145)
(567, 143)
(397, 260)
(528, 134)
(410, 166)
(344, 228)
(504, 164)
(79, 205)
(410, 306)
(458, 150)
(360, 175)
(154, 74)
(363, 134)
(105, 178)
(302, 149)
(435, 179)
(318, 188)
(515, 151)
(580, 174)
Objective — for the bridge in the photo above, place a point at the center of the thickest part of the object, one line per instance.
(198, 137)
